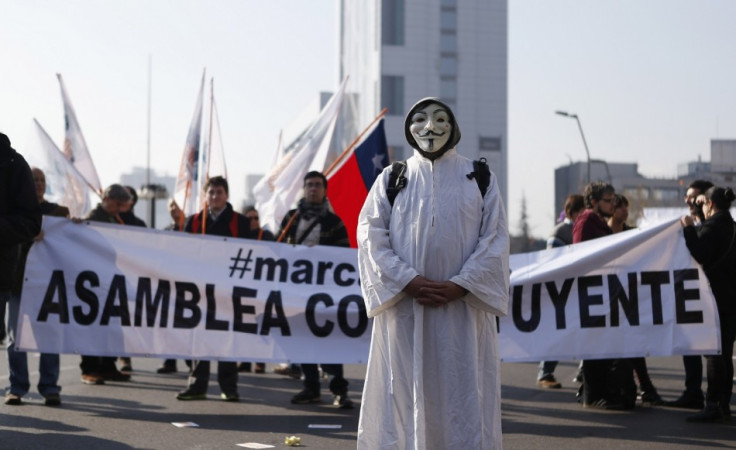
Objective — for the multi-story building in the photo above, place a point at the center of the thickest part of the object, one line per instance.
(397, 52)
(646, 193)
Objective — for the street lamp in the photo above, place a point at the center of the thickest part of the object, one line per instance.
(153, 192)
(587, 152)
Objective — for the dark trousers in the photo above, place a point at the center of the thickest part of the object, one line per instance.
(642, 374)
(338, 384)
(720, 367)
(97, 364)
(693, 374)
(595, 379)
(227, 376)
(609, 379)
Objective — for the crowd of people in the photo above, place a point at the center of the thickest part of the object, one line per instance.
(312, 223)
(710, 235)
(433, 259)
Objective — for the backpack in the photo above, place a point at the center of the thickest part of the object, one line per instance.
(397, 180)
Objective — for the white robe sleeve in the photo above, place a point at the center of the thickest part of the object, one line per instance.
(485, 274)
(383, 275)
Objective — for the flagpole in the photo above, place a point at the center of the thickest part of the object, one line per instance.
(288, 225)
(184, 205)
(354, 143)
(208, 150)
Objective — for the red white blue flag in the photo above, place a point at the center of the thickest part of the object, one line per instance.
(349, 183)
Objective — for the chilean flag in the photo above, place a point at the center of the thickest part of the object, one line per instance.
(349, 183)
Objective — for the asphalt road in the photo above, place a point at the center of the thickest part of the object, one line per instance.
(139, 414)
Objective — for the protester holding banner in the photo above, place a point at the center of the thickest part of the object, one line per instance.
(98, 369)
(714, 247)
(48, 363)
(312, 223)
(219, 219)
(177, 220)
(256, 232)
(561, 236)
(20, 222)
(648, 392)
(128, 217)
(692, 397)
(607, 383)
(433, 261)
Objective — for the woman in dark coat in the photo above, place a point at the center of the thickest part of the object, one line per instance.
(714, 246)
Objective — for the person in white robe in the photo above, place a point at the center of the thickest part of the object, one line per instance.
(434, 275)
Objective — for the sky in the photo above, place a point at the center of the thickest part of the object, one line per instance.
(652, 81)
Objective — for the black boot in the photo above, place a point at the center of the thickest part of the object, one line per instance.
(689, 400)
(711, 413)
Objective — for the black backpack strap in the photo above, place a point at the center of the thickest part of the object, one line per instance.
(482, 175)
(396, 180)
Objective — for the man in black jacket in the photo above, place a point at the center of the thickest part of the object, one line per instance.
(312, 223)
(219, 219)
(48, 363)
(20, 216)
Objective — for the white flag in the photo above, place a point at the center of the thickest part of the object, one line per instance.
(213, 153)
(64, 184)
(75, 148)
(278, 190)
(186, 192)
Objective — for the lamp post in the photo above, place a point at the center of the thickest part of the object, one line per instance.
(153, 192)
(587, 152)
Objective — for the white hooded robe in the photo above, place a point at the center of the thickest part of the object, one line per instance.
(433, 378)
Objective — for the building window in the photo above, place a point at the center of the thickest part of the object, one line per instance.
(489, 143)
(448, 66)
(392, 94)
(448, 88)
(396, 153)
(392, 22)
(448, 42)
(448, 18)
(666, 195)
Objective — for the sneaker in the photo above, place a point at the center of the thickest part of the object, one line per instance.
(12, 399)
(52, 399)
(342, 401)
(306, 396)
(549, 384)
(288, 371)
(92, 378)
(230, 397)
(126, 364)
(115, 375)
(191, 395)
(166, 369)
(688, 401)
(604, 404)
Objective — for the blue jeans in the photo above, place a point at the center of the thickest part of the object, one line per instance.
(18, 361)
(547, 370)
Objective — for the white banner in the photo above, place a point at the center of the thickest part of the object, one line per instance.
(98, 289)
(101, 289)
(636, 293)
